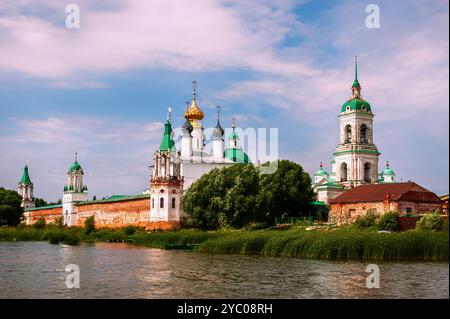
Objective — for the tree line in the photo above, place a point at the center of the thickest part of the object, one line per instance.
(238, 195)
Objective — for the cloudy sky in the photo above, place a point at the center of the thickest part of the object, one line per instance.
(102, 90)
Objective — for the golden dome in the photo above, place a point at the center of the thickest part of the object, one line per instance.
(194, 112)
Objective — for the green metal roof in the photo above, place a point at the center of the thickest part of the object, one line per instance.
(388, 171)
(167, 144)
(356, 104)
(43, 207)
(115, 198)
(318, 203)
(321, 172)
(75, 167)
(237, 155)
(25, 177)
(358, 151)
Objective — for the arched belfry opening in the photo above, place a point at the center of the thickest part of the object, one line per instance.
(348, 133)
(364, 134)
(367, 172)
(344, 172)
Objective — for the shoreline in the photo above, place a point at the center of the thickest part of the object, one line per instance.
(337, 244)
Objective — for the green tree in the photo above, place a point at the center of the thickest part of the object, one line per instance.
(89, 225)
(389, 221)
(40, 223)
(10, 210)
(237, 195)
(287, 191)
(224, 197)
(430, 222)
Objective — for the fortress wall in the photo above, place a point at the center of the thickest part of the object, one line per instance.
(122, 213)
(50, 215)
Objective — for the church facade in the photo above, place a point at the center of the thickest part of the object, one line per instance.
(173, 171)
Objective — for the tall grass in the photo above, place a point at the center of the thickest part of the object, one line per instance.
(339, 244)
(334, 244)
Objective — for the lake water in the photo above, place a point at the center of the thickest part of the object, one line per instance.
(37, 270)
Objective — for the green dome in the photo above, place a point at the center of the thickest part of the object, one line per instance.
(75, 167)
(356, 104)
(321, 172)
(388, 171)
(237, 155)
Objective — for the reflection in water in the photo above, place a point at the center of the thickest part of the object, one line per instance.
(37, 270)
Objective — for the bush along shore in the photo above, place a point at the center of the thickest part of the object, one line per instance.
(343, 243)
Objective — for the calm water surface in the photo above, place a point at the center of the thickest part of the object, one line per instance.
(37, 270)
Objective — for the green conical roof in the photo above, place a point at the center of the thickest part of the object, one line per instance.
(356, 104)
(167, 144)
(25, 177)
(388, 171)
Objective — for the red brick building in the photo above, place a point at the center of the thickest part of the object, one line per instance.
(405, 198)
(444, 205)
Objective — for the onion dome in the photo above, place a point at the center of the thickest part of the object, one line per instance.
(356, 103)
(194, 112)
(233, 152)
(218, 131)
(25, 180)
(388, 171)
(75, 167)
(321, 171)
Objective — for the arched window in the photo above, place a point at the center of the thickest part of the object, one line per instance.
(367, 173)
(364, 134)
(348, 133)
(343, 172)
(161, 203)
(173, 202)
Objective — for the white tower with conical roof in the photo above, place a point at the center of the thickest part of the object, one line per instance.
(166, 183)
(25, 189)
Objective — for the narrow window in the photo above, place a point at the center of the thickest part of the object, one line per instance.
(173, 202)
(153, 203)
(367, 173)
(161, 203)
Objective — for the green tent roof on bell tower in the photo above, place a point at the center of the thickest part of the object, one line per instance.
(167, 144)
(25, 177)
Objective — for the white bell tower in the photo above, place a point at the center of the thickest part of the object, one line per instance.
(166, 183)
(75, 191)
(25, 189)
(356, 156)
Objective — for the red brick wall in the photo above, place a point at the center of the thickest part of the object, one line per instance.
(50, 215)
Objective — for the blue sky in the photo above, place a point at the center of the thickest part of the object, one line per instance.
(103, 90)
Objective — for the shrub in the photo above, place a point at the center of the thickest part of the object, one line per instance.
(366, 221)
(130, 230)
(430, 222)
(59, 222)
(40, 223)
(389, 221)
(89, 225)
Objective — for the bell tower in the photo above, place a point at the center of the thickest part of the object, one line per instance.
(356, 156)
(166, 183)
(75, 191)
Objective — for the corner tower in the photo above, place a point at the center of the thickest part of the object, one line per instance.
(75, 191)
(25, 189)
(356, 156)
(166, 183)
